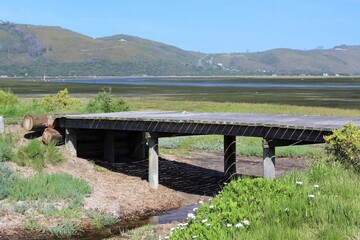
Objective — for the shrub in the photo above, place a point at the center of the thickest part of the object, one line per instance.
(7, 180)
(104, 102)
(61, 102)
(6, 152)
(8, 98)
(36, 155)
(344, 145)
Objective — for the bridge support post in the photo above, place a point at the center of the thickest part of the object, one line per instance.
(268, 160)
(109, 146)
(153, 161)
(140, 146)
(71, 141)
(2, 127)
(229, 156)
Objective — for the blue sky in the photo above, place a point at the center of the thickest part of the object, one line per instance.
(202, 25)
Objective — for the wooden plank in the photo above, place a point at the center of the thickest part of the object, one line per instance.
(109, 146)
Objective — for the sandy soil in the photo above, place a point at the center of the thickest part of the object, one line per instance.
(121, 189)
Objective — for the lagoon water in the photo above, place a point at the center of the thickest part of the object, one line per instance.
(202, 83)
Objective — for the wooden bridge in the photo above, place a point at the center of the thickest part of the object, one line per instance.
(135, 134)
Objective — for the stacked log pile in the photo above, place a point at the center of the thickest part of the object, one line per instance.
(45, 123)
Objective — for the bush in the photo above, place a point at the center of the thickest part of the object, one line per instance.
(61, 102)
(6, 152)
(8, 98)
(65, 230)
(104, 102)
(7, 180)
(344, 145)
(35, 154)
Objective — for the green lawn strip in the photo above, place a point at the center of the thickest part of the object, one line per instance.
(320, 204)
(246, 146)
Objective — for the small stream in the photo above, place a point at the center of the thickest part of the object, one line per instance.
(176, 215)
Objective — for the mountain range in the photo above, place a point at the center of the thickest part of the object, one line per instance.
(28, 50)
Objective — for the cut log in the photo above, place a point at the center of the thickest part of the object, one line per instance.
(53, 135)
(38, 122)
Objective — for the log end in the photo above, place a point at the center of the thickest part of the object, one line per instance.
(28, 123)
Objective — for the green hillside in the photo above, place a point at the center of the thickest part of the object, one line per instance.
(338, 60)
(28, 50)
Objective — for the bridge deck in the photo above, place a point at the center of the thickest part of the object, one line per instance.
(275, 129)
(307, 128)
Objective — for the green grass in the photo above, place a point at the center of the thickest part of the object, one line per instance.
(36, 155)
(282, 208)
(101, 220)
(6, 151)
(8, 179)
(49, 187)
(66, 229)
(246, 146)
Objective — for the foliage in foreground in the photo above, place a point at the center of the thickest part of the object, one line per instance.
(35, 154)
(7, 180)
(61, 102)
(104, 102)
(6, 152)
(344, 144)
(320, 204)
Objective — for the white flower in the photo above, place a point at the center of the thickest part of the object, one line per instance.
(201, 201)
(287, 209)
(204, 221)
(172, 229)
(246, 222)
(166, 237)
(191, 216)
(239, 225)
(229, 225)
(211, 206)
(316, 186)
(208, 224)
(311, 195)
(225, 183)
(194, 209)
(299, 182)
(193, 237)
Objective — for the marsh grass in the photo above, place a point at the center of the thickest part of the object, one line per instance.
(66, 229)
(6, 151)
(320, 204)
(246, 146)
(8, 179)
(101, 220)
(49, 187)
(35, 154)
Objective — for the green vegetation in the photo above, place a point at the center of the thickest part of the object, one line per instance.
(6, 151)
(246, 146)
(51, 187)
(320, 204)
(8, 179)
(36, 155)
(64, 230)
(105, 103)
(61, 102)
(344, 144)
(101, 220)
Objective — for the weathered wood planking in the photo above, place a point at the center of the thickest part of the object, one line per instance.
(304, 128)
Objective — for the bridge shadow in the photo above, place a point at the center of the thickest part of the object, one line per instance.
(178, 176)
